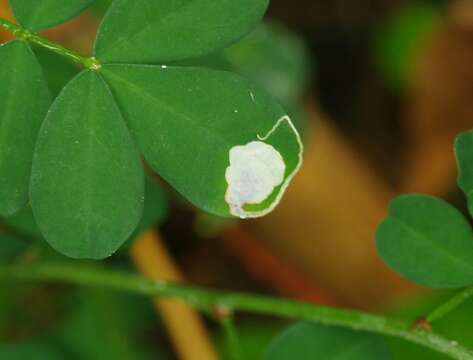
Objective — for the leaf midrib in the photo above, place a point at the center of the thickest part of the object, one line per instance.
(88, 153)
(455, 260)
(169, 109)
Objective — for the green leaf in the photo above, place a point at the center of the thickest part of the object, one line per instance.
(188, 120)
(464, 155)
(402, 40)
(24, 101)
(143, 31)
(427, 241)
(38, 15)
(309, 341)
(87, 179)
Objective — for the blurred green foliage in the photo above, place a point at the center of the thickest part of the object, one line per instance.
(254, 336)
(399, 42)
(306, 341)
(28, 351)
(105, 325)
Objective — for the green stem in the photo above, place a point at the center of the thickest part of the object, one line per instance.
(231, 335)
(24, 34)
(209, 300)
(450, 305)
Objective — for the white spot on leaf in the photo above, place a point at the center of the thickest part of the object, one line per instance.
(255, 170)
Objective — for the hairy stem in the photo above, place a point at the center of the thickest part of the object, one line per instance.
(24, 34)
(450, 305)
(209, 300)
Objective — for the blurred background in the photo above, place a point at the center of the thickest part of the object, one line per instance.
(378, 89)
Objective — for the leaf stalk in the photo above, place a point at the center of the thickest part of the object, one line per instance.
(21, 33)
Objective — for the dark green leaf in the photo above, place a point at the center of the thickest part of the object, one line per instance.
(143, 31)
(38, 15)
(24, 101)
(428, 241)
(464, 155)
(309, 341)
(87, 179)
(187, 120)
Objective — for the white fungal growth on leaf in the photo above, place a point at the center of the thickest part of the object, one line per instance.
(255, 171)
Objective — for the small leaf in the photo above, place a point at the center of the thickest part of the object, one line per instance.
(143, 31)
(38, 15)
(428, 241)
(87, 179)
(222, 143)
(464, 155)
(309, 341)
(24, 101)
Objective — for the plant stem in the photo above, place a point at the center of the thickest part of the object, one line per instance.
(208, 300)
(231, 337)
(450, 305)
(24, 34)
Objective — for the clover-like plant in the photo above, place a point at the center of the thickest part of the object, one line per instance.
(426, 239)
(218, 139)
